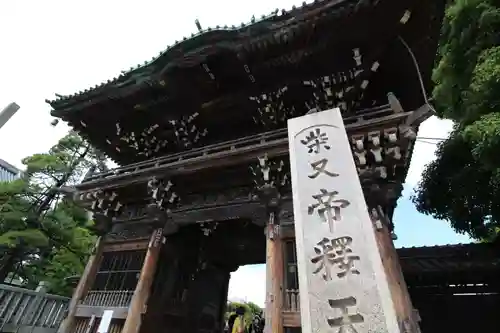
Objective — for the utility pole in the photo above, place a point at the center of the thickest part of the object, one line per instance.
(7, 113)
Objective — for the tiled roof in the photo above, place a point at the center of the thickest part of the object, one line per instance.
(188, 42)
(443, 247)
(450, 264)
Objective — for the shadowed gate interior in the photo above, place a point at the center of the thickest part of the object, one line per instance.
(190, 287)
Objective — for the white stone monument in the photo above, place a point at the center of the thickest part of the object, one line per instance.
(343, 285)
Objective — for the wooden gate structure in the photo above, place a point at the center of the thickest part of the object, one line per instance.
(200, 134)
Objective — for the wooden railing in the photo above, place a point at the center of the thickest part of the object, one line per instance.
(292, 300)
(273, 142)
(113, 298)
(24, 310)
(193, 153)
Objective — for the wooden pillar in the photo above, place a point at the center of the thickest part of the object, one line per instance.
(274, 278)
(83, 286)
(403, 306)
(142, 290)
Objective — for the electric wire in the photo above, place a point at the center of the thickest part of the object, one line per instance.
(419, 74)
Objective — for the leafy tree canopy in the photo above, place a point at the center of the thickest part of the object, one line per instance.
(252, 309)
(463, 184)
(43, 236)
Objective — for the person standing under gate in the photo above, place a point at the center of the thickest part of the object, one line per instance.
(239, 322)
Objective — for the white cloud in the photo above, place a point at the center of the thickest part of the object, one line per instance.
(56, 46)
(423, 152)
(248, 283)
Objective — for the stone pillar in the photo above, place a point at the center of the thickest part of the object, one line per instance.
(274, 277)
(142, 290)
(343, 284)
(83, 286)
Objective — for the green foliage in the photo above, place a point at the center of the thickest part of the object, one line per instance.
(463, 184)
(254, 308)
(251, 310)
(46, 234)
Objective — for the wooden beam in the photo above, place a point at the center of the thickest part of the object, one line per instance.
(226, 155)
(291, 319)
(180, 167)
(86, 311)
(84, 284)
(244, 210)
(125, 246)
(141, 294)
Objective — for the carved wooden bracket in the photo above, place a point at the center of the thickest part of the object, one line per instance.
(273, 228)
(102, 224)
(186, 132)
(103, 202)
(378, 217)
(161, 193)
(378, 153)
(162, 199)
(271, 179)
(271, 112)
(208, 228)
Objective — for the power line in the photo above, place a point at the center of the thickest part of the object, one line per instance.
(427, 138)
(428, 142)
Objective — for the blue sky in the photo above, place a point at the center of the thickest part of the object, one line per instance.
(59, 46)
(415, 229)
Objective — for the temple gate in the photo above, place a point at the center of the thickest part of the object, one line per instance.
(204, 185)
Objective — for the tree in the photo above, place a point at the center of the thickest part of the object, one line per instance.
(44, 235)
(252, 309)
(463, 184)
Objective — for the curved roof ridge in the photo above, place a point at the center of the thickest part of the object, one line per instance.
(224, 29)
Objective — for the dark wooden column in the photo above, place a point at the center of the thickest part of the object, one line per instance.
(83, 286)
(142, 290)
(405, 312)
(275, 274)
